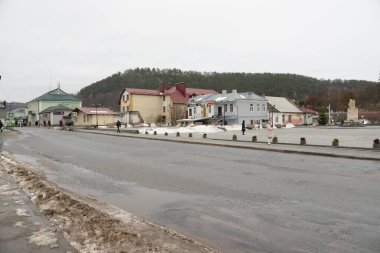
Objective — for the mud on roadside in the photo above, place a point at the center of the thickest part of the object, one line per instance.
(92, 226)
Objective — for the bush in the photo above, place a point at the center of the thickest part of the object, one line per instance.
(303, 141)
(335, 143)
(254, 138)
(234, 137)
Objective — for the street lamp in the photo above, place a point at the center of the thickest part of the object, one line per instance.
(96, 113)
(273, 106)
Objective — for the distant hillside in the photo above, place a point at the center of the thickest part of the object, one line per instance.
(308, 90)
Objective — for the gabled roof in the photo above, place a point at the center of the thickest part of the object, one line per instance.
(56, 108)
(282, 104)
(94, 111)
(56, 95)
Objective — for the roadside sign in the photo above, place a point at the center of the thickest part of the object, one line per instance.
(11, 114)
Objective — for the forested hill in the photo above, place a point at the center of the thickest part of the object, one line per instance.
(311, 91)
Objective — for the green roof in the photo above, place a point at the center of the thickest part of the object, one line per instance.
(56, 108)
(56, 95)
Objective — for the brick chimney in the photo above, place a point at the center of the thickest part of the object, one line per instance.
(161, 87)
(181, 87)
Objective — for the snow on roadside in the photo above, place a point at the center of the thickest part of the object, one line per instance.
(89, 225)
(190, 129)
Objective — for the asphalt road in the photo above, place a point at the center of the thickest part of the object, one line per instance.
(234, 200)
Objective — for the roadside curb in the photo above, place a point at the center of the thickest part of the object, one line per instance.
(328, 152)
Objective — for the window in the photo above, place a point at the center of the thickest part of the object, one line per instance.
(84, 118)
(225, 107)
(276, 119)
(257, 107)
(127, 109)
(289, 118)
(209, 109)
(251, 121)
(163, 109)
(123, 108)
(263, 107)
(127, 97)
(163, 98)
(251, 107)
(231, 107)
(190, 112)
(195, 110)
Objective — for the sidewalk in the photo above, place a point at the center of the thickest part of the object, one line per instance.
(319, 150)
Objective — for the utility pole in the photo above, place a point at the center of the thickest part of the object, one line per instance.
(96, 113)
(329, 114)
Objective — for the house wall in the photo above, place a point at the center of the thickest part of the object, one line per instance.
(90, 120)
(283, 118)
(257, 115)
(150, 107)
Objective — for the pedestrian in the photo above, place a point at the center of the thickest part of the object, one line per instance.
(1, 126)
(118, 124)
(269, 132)
(49, 123)
(44, 123)
(243, 127)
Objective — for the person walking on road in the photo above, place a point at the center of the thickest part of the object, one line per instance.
(269, 132)
(118, 124)
(243, 127)
(1, 126)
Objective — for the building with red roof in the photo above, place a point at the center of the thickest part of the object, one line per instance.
(165, 105)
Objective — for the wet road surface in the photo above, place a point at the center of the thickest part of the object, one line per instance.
(234, 200)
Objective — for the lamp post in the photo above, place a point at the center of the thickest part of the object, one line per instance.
(273, 106)
(96, 113)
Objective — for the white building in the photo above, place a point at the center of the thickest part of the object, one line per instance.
(231, 108)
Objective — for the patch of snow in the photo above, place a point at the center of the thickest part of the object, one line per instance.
(289, 125)
(220, 99)
(19, 224)
(22, 212)
(44, 237)
(242, 96)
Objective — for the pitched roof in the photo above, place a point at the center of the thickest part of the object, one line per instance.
(228, 97)
(179, 98)
(282, 104)
(143, 92)
(56, 108)
(94, 110)
(308, 110)
(56, 95)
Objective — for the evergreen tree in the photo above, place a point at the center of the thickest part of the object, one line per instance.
(322, 119)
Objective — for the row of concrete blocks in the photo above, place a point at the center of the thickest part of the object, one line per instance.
(335, 142)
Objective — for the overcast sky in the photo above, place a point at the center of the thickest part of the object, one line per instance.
(78, 42)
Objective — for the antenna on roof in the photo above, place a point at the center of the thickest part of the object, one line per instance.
(59, 87)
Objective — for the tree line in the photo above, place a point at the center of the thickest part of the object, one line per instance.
(308, 91)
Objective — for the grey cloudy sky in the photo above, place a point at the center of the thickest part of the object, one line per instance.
(78, 42)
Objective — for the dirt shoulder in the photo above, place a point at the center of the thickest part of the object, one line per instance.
(93, 226)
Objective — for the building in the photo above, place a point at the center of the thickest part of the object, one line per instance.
(281, 111)
(52, 98)
(165, 105)
(93, 116)
(54, 114)
(230, 108)
(309, 116)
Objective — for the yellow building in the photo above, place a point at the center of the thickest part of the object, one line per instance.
(165, 105)
(93, 116)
